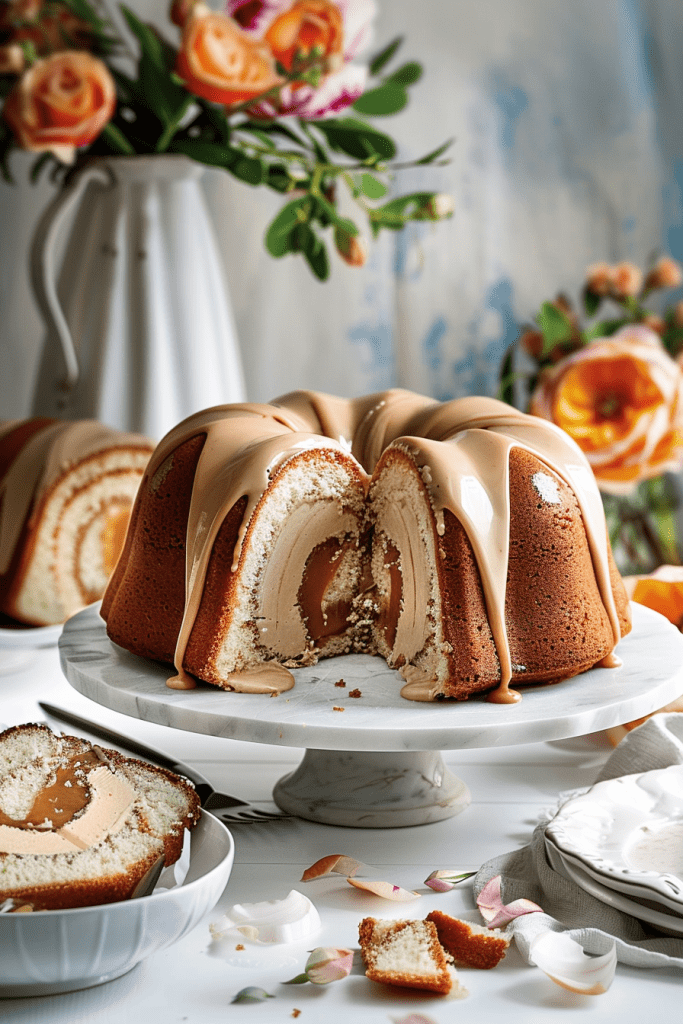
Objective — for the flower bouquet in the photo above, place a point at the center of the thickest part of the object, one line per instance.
(268, 90)
(613, 380)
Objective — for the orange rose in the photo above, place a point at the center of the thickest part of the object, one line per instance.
(219, 62)
(661, 590)
(308, 28)
(61, 102)
(621, 399)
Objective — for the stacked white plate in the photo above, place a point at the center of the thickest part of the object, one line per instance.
(622, 841)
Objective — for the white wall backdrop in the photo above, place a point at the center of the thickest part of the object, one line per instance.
(569, 149)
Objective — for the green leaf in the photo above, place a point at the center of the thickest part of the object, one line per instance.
(357, 139)
(381, 59)
(278, 178)
(407, 74)
(605, 328)
(274, 129)
(388, 98)
(215, 117)
(280, 234)
(555, 327)
(314, 251)
(591, 302)
(371, 186)
(212, 153)
(157, 88)
(249, 169)
(116, 140)
(436, 153)
(394, 214)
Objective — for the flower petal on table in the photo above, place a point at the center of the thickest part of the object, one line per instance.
(446, 879)
(384, 889)
(565, 963)
(495, 912)
(335, 863)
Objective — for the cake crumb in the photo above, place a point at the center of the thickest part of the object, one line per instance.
(337, 709)
(296, 1013)
(340, 682)
(239, 946)
(355, 693)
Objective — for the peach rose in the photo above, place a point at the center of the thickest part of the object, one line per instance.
(219, 62)
(61, 102)
(12, 60)
(309, 28)
(666, 273)
(627, 280)
(621, 399)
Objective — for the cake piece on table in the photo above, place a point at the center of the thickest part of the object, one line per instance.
(407, 954)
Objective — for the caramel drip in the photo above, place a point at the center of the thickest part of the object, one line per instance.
(468, 475)
(48, 453)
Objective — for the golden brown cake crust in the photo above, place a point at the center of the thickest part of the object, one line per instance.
(468, 947)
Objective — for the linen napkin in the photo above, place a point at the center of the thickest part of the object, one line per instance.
(567, 907)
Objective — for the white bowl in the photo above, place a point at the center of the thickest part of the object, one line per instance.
(31, 637)
(51, 951)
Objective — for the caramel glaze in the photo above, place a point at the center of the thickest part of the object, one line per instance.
(55, 805)
(462, 448)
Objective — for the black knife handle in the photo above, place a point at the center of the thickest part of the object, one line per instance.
(133, 746)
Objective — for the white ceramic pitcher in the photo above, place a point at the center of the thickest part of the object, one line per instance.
(139, 327)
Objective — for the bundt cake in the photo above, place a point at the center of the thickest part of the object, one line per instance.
(464, 542)
(66, 491)
(80, 825)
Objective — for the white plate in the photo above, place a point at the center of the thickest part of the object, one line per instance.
(640, 893)
(53, 951)
(30, 636)
(670, 923)
(629, 830)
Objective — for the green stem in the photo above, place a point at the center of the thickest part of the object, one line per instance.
(117, 140)
(169, 131)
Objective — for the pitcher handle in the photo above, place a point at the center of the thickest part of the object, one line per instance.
(43, 272)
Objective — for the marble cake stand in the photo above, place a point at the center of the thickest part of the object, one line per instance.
(377, 763)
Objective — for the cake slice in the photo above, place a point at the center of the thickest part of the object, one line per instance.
(470, 945)
(81, 826)
(66, 491)
(408, 954)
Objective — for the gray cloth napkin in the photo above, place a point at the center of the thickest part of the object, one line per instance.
(567, 907)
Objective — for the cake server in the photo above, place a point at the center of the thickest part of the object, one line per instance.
(211, 799)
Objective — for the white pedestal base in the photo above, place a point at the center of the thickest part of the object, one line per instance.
(364, 789)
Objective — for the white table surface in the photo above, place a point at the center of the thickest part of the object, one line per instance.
(195, 981)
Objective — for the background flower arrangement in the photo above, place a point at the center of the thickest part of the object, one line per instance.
(611, 375)
(255, 89)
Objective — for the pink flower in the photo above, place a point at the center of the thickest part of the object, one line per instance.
(333, 33)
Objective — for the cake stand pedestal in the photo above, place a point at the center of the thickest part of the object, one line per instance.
(372, 760)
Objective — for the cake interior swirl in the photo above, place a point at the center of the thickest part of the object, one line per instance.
(464, 542)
